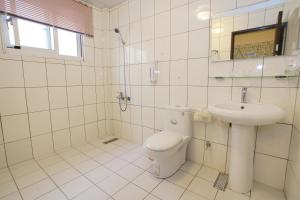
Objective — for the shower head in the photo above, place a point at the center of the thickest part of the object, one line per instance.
(120, 35)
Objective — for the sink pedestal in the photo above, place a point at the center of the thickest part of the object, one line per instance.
(241, 158)
(244, 118)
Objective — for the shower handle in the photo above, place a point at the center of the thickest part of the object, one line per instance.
(122, 97)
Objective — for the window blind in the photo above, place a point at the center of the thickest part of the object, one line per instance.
(65, 14)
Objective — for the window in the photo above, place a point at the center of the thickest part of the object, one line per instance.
(35, 35)
(68, 43)
(31, 36)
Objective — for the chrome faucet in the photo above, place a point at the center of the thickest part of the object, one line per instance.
(244, 95)
(121, 96)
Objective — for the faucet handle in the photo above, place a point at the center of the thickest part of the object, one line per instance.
(244, 88)
(120, 96)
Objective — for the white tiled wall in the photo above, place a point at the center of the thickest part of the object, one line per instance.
(47, 104)
(58, 103)
(169, 32)
(292, 185)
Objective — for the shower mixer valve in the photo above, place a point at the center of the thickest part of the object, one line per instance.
(122, 97)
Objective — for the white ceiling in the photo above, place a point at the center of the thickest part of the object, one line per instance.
(104, 3)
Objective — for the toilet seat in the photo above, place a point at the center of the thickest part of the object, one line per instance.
(163, 141)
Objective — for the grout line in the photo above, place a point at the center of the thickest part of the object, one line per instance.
(50, 114)
(4, 143)
(19, 191)
(49, 176)
(121, 120)
(83, 103)
(81, 175)
(67, 96)
(194, 177)
(207, 83)
(188, 52)
(114, 172)
(95, 77)
(292, 133)
(155, 63)
(141, 71)
(27, 109)
(71, 167)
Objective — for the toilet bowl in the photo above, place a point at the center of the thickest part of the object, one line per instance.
(167, 157)
(167, 149)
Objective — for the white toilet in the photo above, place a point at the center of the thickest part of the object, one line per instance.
(168, 148)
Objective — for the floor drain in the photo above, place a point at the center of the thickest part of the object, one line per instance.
(221, 181)
(109, 141)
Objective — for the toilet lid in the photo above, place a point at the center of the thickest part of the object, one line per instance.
(163, 141)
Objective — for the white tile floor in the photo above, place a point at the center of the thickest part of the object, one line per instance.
(118, 171)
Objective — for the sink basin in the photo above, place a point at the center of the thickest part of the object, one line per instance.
(244, 119)
(247, 114)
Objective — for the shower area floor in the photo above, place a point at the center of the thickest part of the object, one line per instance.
(118, 171)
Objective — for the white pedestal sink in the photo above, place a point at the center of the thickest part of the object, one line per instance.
(244, 118)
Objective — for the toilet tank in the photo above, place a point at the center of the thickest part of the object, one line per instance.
(179, 119)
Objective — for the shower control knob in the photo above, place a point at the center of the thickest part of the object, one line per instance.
(121, 96)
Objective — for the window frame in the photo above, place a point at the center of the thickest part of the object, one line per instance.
(35, 51)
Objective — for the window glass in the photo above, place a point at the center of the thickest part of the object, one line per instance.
(68, 43)
(35, 35)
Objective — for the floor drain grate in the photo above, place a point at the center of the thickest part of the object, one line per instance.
(221, 181)
(109, 141)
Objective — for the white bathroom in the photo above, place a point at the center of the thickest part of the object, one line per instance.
(149, 100)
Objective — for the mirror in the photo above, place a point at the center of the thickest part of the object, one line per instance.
(270, 28)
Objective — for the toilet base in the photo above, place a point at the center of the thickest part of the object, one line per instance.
(164, 167)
